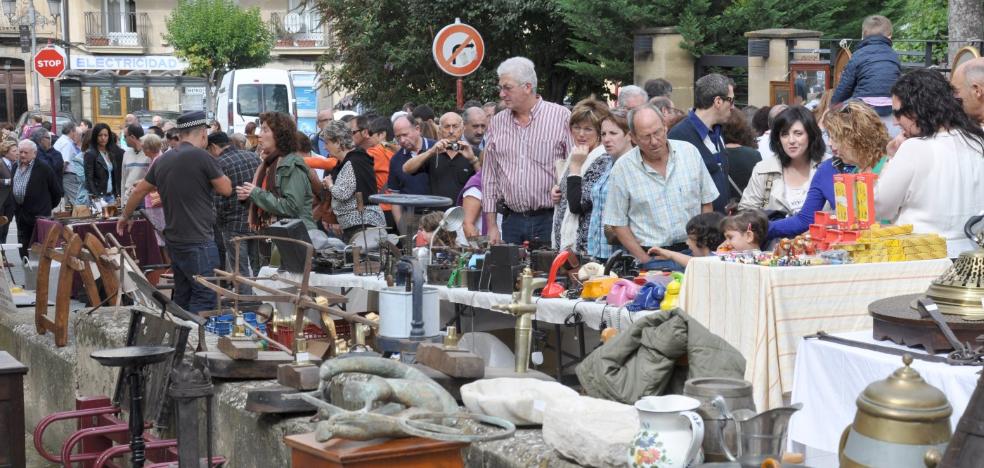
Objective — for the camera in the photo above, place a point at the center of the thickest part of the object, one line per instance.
(454, 146)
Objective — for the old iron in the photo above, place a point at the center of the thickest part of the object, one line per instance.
(394, 398)
(523, 308)
(902, 422)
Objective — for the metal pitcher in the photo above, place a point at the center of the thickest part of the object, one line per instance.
(759, 436)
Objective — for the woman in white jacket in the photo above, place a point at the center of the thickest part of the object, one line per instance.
(780, 183)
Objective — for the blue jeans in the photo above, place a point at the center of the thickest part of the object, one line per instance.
(517, 228)
(187, 260)
(659, 265)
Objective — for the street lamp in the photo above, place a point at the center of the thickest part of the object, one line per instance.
(32, 20)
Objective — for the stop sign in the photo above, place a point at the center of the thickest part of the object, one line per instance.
(49, 62)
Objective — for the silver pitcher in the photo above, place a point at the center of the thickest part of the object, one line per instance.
(758, 436)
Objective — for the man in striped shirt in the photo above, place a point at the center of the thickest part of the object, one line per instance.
(523, 145)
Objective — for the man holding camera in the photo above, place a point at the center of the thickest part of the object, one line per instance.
(450, 162)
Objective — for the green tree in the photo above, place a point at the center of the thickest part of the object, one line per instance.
(382, 52)
(918, 20)
(217, 35)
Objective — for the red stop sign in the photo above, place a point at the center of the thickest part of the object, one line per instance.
(49, 62)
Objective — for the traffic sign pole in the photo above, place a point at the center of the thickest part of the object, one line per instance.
(461, 94)
(54, 106)
(458, 50)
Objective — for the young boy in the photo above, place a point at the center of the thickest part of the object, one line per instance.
(872, 70)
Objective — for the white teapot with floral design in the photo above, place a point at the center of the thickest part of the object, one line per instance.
(670, 433)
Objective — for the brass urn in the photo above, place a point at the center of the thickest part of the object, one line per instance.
(960, 290)
(902, 422)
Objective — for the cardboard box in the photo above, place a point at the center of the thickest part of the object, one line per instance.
(844, 197)
(864, 185)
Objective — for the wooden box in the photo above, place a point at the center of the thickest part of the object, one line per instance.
(411, 452)
(11, 411)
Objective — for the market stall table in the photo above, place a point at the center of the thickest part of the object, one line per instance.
(765, 311)
(830, 376)
(142, 238)
(557, 312)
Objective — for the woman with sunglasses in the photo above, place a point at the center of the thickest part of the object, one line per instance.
(935, 181)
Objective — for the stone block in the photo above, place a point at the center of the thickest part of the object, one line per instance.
(592, 431)
(458, 363)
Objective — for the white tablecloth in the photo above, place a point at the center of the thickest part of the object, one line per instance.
(765, 311)
(829, 377)
(548, 310)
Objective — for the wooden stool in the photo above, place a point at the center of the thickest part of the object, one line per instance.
(411, 452)
(11, 411)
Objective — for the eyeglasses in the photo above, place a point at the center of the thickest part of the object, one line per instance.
(898, 112)
(728, 99)
(357, 130)
(324, 120)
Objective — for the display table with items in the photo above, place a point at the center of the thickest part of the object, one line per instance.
(829, 376)
(765, 311)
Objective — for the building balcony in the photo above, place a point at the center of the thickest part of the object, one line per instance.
(47, 29)
(311, 38)
(123, 34)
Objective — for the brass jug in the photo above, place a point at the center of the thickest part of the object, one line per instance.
(902, 422)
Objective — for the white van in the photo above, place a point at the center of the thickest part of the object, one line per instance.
(245, 94)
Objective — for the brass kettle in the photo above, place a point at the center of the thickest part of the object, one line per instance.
(960, 289)
(902, 422)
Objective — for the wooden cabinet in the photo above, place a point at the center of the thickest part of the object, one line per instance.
(411, 452)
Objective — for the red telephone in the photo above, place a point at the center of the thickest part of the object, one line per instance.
(553, 288)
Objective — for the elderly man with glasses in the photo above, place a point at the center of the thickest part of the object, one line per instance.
(325, 116)
(654, 189)
(714, 97)
(522, 149)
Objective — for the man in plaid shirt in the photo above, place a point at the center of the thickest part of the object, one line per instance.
(231, 215)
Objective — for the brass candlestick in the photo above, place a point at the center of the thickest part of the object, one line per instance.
(523, 308)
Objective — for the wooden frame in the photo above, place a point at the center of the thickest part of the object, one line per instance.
(778, 92)
(964, 54)
(70, 264)
(840, 63)
(803, 69)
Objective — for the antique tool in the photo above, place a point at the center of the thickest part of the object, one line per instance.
(961, 351)
(902, 422)
(68, 257)
(393, 399)
(188, 385)
(452, 220)
(502, 265)
(976, 360)
(523, 308)
(553, 289)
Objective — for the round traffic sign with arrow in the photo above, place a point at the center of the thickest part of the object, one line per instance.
(458, 49)
(50, 62)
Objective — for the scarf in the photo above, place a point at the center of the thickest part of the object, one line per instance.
(365, 173)
(266, 178)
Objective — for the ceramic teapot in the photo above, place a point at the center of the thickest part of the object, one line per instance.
(670, 433)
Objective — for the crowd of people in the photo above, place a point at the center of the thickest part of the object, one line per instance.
(660, 183)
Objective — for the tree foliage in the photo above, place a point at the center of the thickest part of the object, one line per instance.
(382, 51)
(919, 20)
(218, 34)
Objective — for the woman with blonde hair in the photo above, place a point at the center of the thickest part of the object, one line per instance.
(569, 228)
(859, 140)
